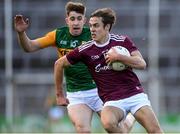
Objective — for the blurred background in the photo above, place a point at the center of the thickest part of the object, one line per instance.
(26, 79)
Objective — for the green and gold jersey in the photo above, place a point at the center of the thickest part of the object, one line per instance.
(77, 76)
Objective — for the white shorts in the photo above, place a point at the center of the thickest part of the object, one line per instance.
(131, 104)
(88, 97)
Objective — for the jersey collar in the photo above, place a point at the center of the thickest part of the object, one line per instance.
(104, 44)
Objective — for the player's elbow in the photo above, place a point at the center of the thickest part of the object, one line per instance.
(61, 62)
(27, 50)
(142, 65)
(58, 63)
(30, 49)
(31, 46)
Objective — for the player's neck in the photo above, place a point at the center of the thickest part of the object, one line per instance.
(103, 40)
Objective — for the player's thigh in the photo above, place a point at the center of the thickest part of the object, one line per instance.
(80, 114)
(146, 117)
(111, 114)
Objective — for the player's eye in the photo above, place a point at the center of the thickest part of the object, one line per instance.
(96, 25)
(72, 18)
(79, 18)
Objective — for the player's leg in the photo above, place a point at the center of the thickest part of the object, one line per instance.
(110, 118)
(140, 107)
(81, 108)
(113, 122)
(146, 117)
(117, 121)
(127, 124)
(81, 116)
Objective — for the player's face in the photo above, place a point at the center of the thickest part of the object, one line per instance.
(99, 33)
(75, 22)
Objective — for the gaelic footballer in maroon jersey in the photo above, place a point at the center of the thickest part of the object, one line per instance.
(121, 91)
(123, 84)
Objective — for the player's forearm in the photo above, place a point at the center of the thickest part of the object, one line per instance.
(25, 42)
(59, 66)
(58, 77)
(135, 62)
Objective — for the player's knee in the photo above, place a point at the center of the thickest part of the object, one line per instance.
(81, 128)
(109, 125)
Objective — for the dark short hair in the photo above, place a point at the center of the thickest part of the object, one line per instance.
(107, 14)
(75, 6)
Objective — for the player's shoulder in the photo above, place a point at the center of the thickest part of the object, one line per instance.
(118, 37)
(61, 31)
(64, 28)
(85, 45)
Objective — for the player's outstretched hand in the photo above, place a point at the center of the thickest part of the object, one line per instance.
(62, 101)
(20, 24)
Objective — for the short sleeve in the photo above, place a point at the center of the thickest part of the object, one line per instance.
(74, 56)
(130, 44)
(47, 40)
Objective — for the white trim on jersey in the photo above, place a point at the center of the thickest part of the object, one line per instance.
(111, 36)
(85, 45)
(117, 37)
(104, 44)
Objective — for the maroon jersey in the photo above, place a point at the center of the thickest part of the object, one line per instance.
(112, 85)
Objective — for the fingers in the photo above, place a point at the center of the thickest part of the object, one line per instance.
(107, 59)
(111, 55)
(67, 101)
(19, 18)
(27, 21)
(62, 101)
(63, 105)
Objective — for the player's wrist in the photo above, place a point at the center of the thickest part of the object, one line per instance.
(59, 95)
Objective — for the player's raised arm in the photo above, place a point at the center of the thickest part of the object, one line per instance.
(21, 25)
(59, 66)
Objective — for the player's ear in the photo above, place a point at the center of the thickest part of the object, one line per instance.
(85, 20)
(66, 19)
(107, 27)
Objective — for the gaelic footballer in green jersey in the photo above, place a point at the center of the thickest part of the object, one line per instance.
(77, 76)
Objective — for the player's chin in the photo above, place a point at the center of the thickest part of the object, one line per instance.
(76, 32)
(93, 37)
